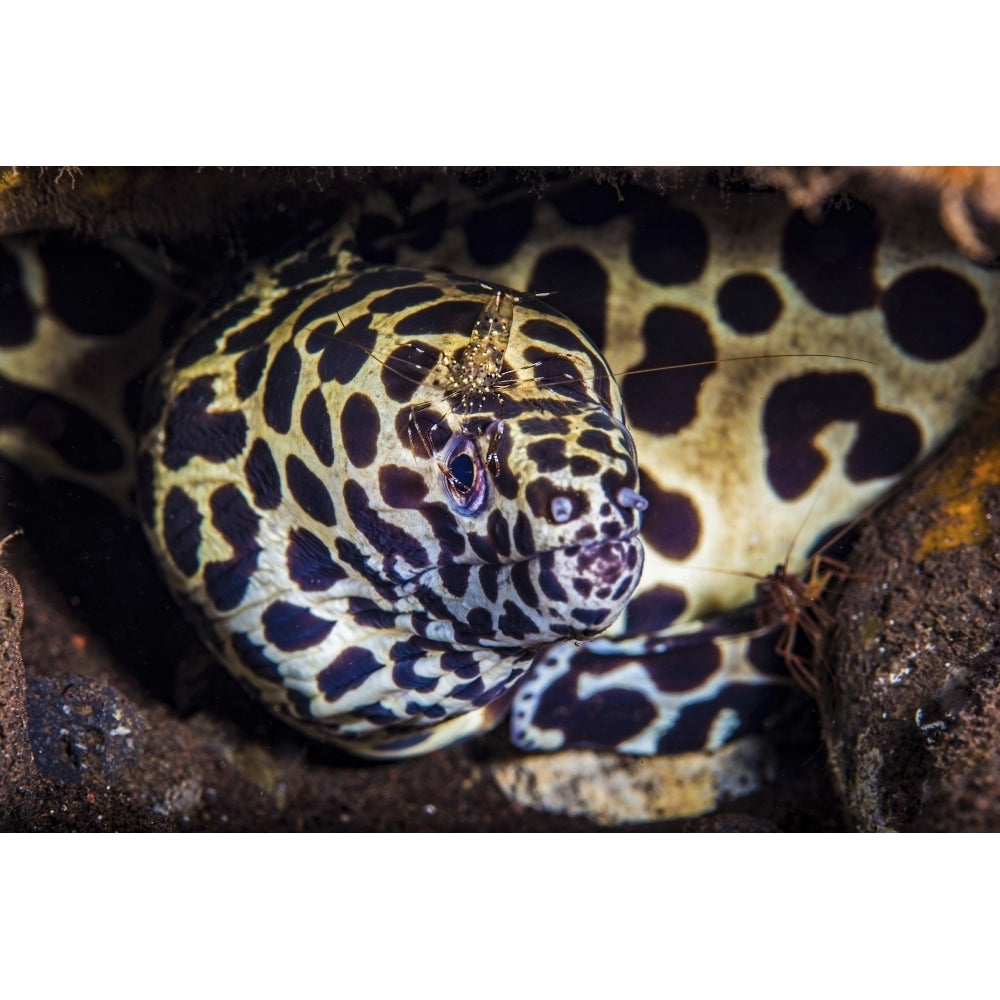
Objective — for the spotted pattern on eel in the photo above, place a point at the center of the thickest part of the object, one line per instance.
(395, 540)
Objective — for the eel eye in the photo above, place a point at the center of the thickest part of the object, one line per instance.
(463, 473)
(465, 481)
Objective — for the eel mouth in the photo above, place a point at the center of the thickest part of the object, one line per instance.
(598, 579)
(572, 592)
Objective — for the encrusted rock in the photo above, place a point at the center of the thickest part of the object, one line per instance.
(609, 788)
(911, 708)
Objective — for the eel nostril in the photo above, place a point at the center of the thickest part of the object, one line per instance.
(561, 509)
(627, 497)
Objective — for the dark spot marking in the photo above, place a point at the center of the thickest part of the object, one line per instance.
(310, 564)
(375, 713)
(260, 330)
(315, 422)
(349, 670)
(799, 408)
(406, 368)
(480, 622)
(540, 426)
(655, 609)
(555, 373)
(92, 289)
(602, 420)
(473, 691)
(346, 352)
(452, 316)
(596, 441)
(350, 554)
(386, 537)
(603, 720)
(887, 444)
(832, 262)
(496, 528)
(489, 577)
(461, 662)
(581, 465)
(310, 265)
(182, 530)
(324, 312)
(309, 492)
(588, 204)
(551, 587)
(592, 616)
(548, 454)
(514, 623)
(524, 534)
(192, 430)
(406, 657)
(933, 314)
(425, 227)
(671, 524)
(749, 303)
(582, 287)
(371, 232)
(422, 431)
(503, 479)
(401, 487)
(262, 476)
(520, 577)
(404, 742)
(293, 628)
(366, 612)
(455, 578)
(482, 547)
(753, 705)
(204, 339)
(249, 369)
(359, 429)
(672, 337)
(444, 528)
(670, 248)
(405, 298)
(435, 609)
(18, 322)
(255, 658)
(376, 279)
(494, 234)
(685, 665)
(226, 580)
(279, 388)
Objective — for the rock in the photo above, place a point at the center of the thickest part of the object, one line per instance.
(17, 766)
(610, 788)
(911, 708)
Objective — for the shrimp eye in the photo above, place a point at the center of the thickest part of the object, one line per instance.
(463, 473)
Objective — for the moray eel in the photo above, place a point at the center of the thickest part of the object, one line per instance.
(399, 502)
(385, 490)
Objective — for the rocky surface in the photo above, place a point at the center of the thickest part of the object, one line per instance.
(114, 718)
(912, 705)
